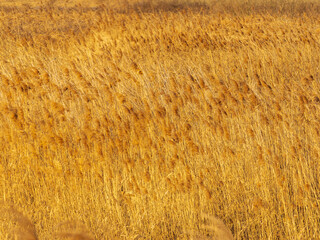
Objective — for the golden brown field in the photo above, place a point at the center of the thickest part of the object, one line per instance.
(145, 120)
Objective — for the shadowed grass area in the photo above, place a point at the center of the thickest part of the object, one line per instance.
(237, 7)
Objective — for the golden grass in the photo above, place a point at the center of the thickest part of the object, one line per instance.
(133, 120)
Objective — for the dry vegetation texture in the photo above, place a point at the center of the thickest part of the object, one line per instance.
(143, 123)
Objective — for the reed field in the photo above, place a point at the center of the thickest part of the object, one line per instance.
(154, 119)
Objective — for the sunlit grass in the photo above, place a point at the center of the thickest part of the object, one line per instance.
(147, 120)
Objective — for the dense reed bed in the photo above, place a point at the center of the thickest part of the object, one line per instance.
(144, 120)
